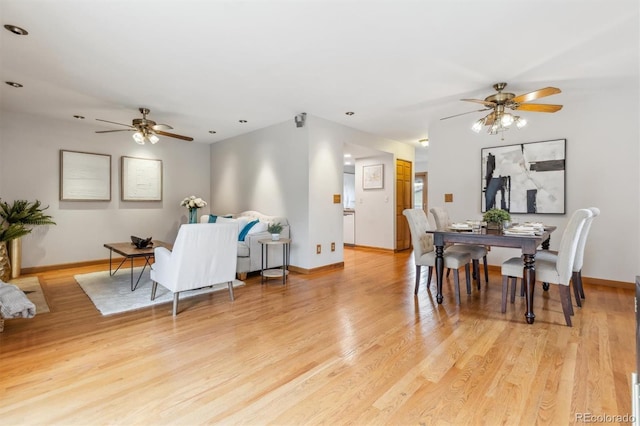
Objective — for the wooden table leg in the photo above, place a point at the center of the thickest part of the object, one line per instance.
(529, 277)
(284, 264)
(545, 246)
(262, 246)
(439, 271)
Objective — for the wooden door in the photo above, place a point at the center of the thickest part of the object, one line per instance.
(404, 191)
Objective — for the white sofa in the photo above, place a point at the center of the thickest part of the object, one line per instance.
(250, 250)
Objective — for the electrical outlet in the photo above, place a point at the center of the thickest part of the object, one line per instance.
(333, 246)
(318, 249)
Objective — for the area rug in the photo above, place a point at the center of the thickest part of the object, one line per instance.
(113, 295)
(31, 288)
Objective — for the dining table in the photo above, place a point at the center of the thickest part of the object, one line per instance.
(528, 244)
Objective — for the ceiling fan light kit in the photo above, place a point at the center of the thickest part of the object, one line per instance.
(141, 138)
(145, 130)
(503, 124)
(500, 121)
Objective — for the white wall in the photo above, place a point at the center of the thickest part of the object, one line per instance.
(326, 161)
(29, 169)
(294, 172)
(375, 208)
(601, 170)
(280, 170)
(421, 166)
(268, 171)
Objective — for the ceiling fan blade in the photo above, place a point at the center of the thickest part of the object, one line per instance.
(113, 122)
(119, 130)
(536, 94)
(173, 135)
(468, 112)
(538, 107)
(162, 127)
(480, 101)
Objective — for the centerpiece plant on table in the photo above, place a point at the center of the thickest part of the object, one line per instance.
(495, 217)
(193, 203)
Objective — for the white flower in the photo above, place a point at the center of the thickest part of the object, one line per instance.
(193, 202)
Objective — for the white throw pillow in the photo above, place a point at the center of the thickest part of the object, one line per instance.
(258, 227)
(242, 222)
(222, 219)
(227, 220)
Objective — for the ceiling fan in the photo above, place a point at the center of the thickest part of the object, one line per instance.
(500, 120)
(145, 130)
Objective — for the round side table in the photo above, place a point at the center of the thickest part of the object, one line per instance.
(267, 273)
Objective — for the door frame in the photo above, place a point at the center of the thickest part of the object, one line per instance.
(425, 179)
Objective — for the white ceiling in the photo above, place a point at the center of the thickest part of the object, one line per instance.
(399, 65)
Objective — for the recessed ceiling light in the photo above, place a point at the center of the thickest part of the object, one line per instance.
(16, 30)
(79, 117)
(347, 163)
(349, 112)
(13, 84)
(347, 156)
(424, 142)
(242, 121)
(213, 132)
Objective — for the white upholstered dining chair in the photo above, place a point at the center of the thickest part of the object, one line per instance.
(203, 254)
(576, 276)
(553, 271)
(424, 253)
(477, 252)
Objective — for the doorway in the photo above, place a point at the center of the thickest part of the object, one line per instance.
(404, 173)
(420, 191)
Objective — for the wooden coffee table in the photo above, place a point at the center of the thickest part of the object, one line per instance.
(129, 251)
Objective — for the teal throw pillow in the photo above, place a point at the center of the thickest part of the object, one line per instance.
(246, 229)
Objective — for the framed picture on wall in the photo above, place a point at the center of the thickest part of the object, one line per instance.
(373, 176)
(85, 176)
(524, 178)
(141, 179)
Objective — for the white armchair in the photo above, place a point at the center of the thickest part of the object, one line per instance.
(202, 255)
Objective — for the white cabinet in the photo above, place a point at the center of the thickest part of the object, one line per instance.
(349, 228)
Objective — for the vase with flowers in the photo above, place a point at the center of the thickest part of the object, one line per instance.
(193, 203)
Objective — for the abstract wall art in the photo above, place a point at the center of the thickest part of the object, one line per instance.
(525, 178)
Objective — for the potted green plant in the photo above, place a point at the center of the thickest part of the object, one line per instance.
(495, 218)
(8, 232)
(17, 220)
(274, 229)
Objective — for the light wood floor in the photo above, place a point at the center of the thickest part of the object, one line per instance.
(348, 346)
